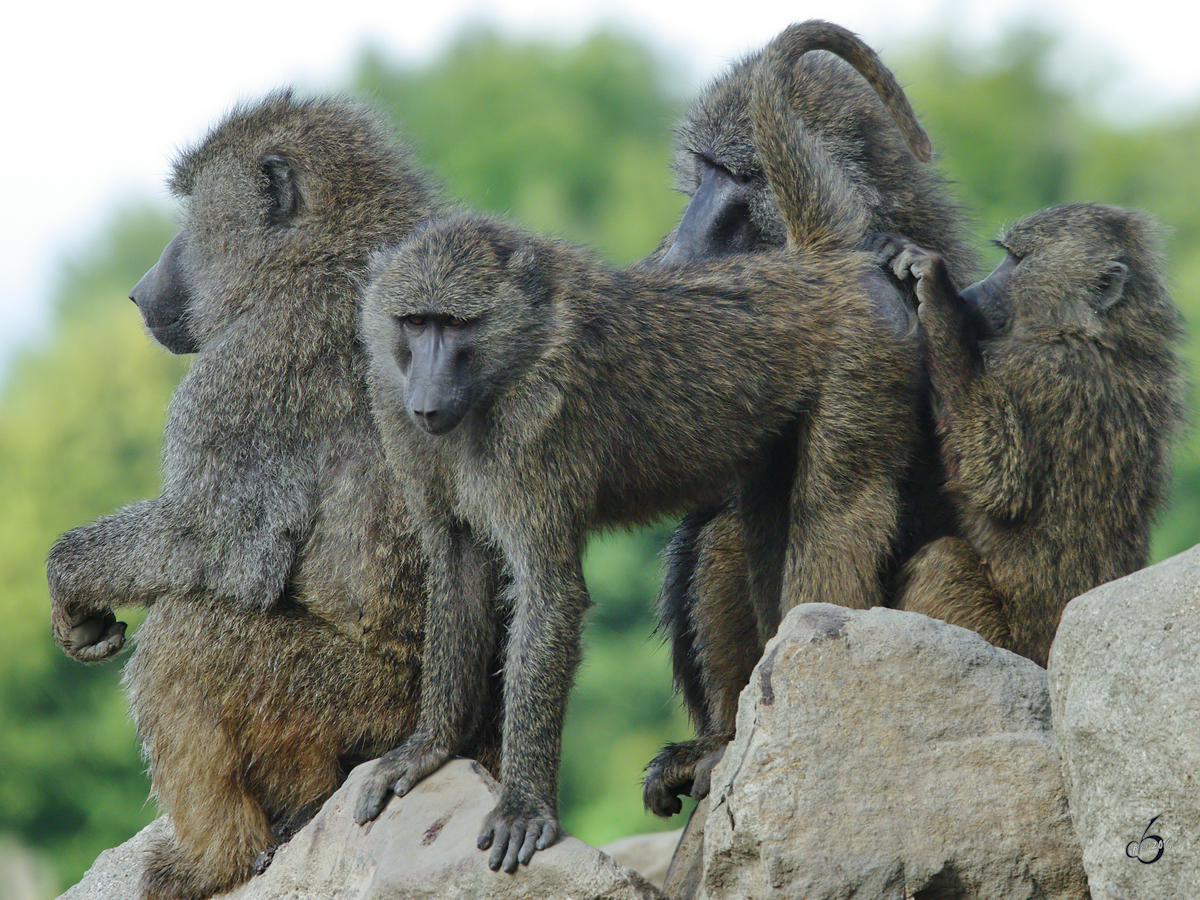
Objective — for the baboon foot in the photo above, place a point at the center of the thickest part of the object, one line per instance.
(396, 773)
(281, 833)
(515, 829)
(683, 768)
(264, 860)
(171, 874)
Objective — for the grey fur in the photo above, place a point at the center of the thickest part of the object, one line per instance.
(284, 576)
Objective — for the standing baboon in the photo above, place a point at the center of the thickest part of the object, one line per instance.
(283, 572)
(731, 162)
(1058, 394)
(528, 396)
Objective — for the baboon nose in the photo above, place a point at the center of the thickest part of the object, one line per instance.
(428, 419)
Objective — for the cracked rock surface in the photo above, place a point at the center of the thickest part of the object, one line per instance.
(1125, 686)
(884, 754)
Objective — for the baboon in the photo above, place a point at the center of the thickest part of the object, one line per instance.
(1058, 394)
(282, 569)
(724, 163)
(528, 396)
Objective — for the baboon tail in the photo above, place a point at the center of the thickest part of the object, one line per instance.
(819, 202)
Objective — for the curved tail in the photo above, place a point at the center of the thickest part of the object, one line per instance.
(820, 203)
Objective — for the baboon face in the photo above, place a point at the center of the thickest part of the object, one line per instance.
(451, 316)
(163, 298)
(1067, 271)
(199, 283)
(285, 192)
(732, 207)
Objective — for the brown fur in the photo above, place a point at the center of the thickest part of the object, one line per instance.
(1058, 395)
(849, 139)
(283, 572)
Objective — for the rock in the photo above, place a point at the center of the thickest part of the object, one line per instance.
(421, 847)
(883, 754)
(682, 879)
(647, 854)
(115, 873)
(1125, 690)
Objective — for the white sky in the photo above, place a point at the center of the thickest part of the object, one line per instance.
(102, 94)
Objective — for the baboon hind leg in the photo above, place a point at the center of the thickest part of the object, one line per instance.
(845, 504)
(219, 828)
(707, 614)
(946, 579)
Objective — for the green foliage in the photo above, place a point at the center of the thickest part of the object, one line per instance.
(80, 427)
(572, 140)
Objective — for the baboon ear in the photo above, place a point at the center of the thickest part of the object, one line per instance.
(281, 189)
(1112, 285)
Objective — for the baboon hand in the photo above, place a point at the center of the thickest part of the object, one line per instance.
(883, 247)
(395, 773)
(88, 636)
(515, 829)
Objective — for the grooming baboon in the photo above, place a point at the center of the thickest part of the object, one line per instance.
(283, 572)
(725, 163)
(1058, 394)
(528, 396)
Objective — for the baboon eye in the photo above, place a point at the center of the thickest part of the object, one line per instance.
(738, 177)
(454, 322)
(414, 321)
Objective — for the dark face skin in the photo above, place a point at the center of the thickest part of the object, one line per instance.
(987, 301)
(717, 219)
(162, 296)
(435, 353)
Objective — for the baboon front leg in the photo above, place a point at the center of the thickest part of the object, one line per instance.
(460, 634)
(544, 649)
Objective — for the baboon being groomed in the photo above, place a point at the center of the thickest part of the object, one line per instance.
(281, 566)
(729, 164)
(529, 395)
(1058, 394)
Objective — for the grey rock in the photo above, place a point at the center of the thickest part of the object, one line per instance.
(421, 847)
(1125, 690)
(647, 854)
(882, 754)
(115, 873)
(682, 880)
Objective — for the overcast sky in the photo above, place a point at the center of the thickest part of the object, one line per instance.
(102, 94)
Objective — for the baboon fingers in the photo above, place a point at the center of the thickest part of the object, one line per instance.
(94, 638)
(702, 782)
(514, 831)
(372, 799)
(528, 846)
(486, 836)
(910, 262)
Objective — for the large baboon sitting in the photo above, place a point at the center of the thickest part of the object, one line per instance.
(283, 574)
(724, 163)
(529, 395)
(1058, 394)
